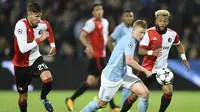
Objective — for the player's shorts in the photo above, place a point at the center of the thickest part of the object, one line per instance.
(96, 65)
(129, 70)
(23, 75)
(109, 88)
(147, 81)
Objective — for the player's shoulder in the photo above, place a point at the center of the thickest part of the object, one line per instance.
(43, 22)
(151, 32)
(104, 20)
(120, 26)
(21, 23)
(90, 21)
(21, 20)
(171, 31)
(127, 37)
(151, 29)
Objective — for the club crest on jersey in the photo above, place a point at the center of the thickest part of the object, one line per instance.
(19, 31)
(40, 32)
(130, 45)
(169, 40)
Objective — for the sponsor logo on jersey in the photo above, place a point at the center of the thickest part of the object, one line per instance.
(165, 47)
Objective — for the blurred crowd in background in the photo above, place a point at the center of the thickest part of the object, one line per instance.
(67, 17)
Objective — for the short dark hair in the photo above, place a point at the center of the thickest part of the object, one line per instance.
(95, 5)
(127, 10)
(34, 7)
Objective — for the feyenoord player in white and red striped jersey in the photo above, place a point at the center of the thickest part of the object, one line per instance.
(155, 47)
(27, 60)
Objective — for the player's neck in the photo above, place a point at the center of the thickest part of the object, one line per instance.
(98, 18)
(161, 31)
(31, 25)
(127, 25)
(133, 34)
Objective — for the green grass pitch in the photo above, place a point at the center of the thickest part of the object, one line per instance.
(183, 101)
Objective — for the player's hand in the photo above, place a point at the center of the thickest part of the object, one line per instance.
(157, 52)
(52, 51)
(89, 52)
(44, 36)
(148, 73)
(186, 64)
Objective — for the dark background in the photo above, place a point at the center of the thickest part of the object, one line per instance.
(69, 74)
(67, 18)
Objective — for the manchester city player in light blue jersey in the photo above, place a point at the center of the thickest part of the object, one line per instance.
(122, 29)
(114, 75)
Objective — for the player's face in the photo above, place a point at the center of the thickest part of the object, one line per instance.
(34, 18)
(162, 22)
(98, 12)
(139, 33)
(128, 18)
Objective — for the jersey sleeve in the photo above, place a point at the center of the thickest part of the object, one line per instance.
(116, 34)
(129, 47)
(51, 35)
(177, 40)
(107, 27)
(89, 26)
(145, 41)
(21, 36)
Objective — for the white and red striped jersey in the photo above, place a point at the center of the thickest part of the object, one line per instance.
(153, 40)
(26, 49)
(97, 34)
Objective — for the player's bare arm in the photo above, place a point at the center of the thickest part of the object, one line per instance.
(83, 39)
(181, 52)
(131, 62)
(52, 51)
(143, 51)
(110, 43)
(51, 40)
(44, 36)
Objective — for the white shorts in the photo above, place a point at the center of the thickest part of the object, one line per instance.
(109, 88)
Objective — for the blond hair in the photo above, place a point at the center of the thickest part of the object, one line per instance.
(162, 13)
(141, 23)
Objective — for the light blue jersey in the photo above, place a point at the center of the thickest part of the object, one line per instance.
(120, 31)
(116, 67)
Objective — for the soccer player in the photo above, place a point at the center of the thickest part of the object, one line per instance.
(96, 29)
(122, 29)
(155, 46)
(114, 75)
(28, 34)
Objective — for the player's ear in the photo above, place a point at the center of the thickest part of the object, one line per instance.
(156, 21)
(29, 13)
(167, 21)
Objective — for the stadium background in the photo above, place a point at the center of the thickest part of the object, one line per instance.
(67, 18)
